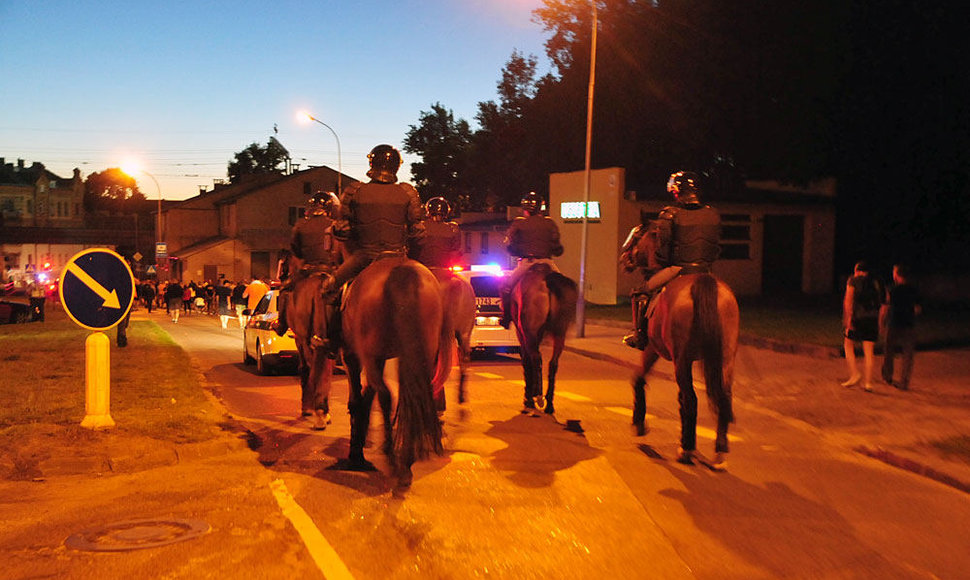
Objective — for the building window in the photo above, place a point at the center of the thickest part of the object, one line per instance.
(307, 187)
(735, 237)
(295, 214)
(484, 242)
(468, 242)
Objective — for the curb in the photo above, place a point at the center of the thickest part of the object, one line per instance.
(890, 458)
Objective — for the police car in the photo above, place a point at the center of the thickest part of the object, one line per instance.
(261, 344)
(488, 334)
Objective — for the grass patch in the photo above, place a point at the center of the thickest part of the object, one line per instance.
(155, 394)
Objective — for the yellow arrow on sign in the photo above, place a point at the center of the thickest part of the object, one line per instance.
(110, 298)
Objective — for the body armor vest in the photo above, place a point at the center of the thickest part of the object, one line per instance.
(534, 236)
(313, 241)
(383, 215)
(441, 245)
(694, 236)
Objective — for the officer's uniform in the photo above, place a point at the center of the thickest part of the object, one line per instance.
(440, 246)
(377, 220)
(689, 242)
(534, 239)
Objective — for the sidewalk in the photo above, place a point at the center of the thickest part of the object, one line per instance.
(801, 384)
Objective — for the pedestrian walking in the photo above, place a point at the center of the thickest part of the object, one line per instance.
(898, 317)
(223, 298)
(860, 320)
(37, 295)
(173, 298)
(239, 302)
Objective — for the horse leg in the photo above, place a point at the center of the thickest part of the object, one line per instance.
(359, 407)
(650, 357)
(304, 353)
(558, 344)
(464, 358)
(688, 410)
(321, 373)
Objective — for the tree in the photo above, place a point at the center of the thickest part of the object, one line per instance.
(255, 159)
(443, 143)
(111, 190)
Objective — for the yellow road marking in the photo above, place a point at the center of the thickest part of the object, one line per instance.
(489, 375)
(320, 549)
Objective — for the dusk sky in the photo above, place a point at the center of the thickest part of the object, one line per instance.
(182, 86)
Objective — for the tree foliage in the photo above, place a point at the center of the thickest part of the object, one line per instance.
(443, 144)
(255, 159)
(112, 190)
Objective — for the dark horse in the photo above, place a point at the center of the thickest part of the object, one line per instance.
(306, 316)
(393, 310)
(696, 318)
(543, 303)
(458, 302)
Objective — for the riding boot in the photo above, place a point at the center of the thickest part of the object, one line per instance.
(506, 297)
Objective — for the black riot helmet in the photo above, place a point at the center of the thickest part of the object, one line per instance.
(685, 186)
(531, 202)
(384, 160)
(323, 203)
(438, 208)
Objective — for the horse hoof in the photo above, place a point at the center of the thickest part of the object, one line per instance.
(320, 420)
(641, 429)
(550, 410)
(539, 401)
(353, 464)
(685, 457)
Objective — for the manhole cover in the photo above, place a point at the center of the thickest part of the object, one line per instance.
(136, 535)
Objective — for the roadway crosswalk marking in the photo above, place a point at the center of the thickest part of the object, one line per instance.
(489, 375)
(701, 431)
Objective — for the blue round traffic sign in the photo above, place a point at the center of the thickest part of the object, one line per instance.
(97, 288)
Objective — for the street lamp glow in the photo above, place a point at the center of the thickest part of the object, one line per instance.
(305, 117)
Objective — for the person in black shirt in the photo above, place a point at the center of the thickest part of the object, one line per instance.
(898, 317)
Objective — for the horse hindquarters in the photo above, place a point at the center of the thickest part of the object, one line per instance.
(718, 371)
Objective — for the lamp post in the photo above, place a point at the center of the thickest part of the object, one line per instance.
(340, 170)
(132, 168)
(587, 178)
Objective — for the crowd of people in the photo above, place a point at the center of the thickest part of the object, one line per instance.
(224, 298)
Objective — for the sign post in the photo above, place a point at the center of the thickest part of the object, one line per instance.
(97, 290)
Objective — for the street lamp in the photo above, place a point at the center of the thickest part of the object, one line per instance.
(130, 168)
(307, 117)
(581, 302)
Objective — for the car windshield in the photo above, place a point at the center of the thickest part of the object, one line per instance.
(486, 286)
(263, 305)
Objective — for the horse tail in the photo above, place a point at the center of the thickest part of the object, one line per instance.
(707, 327)
(418, 430)
(566, 293)
(451, 297)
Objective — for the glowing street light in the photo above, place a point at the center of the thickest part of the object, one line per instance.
(131, 167)
(305, 117)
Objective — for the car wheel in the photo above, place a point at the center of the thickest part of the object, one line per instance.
(261, 366)
(22, 317)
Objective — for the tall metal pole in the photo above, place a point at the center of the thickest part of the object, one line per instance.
(581, 303)
(340, 169)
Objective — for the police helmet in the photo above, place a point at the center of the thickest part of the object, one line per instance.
(438, 207)
(685, 186)
(531, 202)
(323, 202)
(384, 160)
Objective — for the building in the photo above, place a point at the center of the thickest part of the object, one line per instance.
(237, 231)
(775, 238)
(34, 197)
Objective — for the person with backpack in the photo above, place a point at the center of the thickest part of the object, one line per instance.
(860, 321)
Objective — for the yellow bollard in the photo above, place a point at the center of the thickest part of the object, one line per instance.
(98, 382)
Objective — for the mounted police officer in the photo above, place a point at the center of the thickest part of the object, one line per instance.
(533, 238)
(314, 248)
(377, 219)
(440, 247)
(689, 234)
